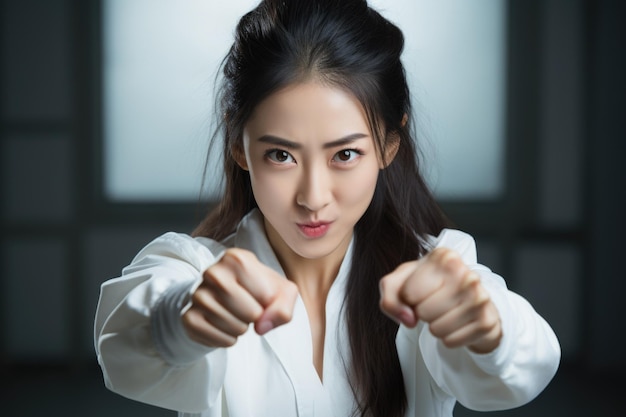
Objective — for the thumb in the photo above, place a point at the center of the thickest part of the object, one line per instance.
(280, 309)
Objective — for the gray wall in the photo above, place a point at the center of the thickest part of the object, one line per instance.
(555, 236)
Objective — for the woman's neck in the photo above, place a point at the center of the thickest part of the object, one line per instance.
(314, 277)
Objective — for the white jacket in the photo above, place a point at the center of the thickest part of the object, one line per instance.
(146, 355)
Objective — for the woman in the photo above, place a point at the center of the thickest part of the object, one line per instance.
(328, 241)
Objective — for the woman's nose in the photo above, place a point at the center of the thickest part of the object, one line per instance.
(314, 191)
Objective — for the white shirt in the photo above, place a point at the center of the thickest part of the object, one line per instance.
(146, 355)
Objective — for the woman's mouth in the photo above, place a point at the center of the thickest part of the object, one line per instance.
(314, 230)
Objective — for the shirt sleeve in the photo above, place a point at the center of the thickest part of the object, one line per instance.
(511, 375)
(141, 345)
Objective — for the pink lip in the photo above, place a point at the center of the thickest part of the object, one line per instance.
(314, 230)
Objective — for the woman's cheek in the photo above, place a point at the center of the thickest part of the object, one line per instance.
(270, 187)
(358, 188)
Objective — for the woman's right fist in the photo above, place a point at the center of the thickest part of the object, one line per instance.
(236, 291)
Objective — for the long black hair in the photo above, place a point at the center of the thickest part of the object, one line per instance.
(347, 45)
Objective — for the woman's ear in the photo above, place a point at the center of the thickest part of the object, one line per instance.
(392, 144)
(239, 155)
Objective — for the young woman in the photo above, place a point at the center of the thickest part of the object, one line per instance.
(329, 243)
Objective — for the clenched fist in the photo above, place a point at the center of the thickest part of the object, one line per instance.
(442, 291)
(236, 291)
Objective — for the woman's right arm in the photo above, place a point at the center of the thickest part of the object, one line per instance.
(142, 347)
(161, 327)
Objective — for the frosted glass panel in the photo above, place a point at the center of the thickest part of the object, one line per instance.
(455, 60)
(160, 62)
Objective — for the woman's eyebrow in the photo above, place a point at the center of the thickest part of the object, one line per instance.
(285, 143)
(345, 140)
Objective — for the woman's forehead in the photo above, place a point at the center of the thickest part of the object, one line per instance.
(310, 106)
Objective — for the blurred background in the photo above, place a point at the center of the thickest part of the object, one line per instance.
(105, 117)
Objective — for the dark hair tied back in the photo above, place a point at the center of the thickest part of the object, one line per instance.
(348, 45)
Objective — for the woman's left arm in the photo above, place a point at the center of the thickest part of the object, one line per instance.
(481, 343)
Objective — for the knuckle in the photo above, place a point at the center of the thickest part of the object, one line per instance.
(252, 314)
(264, 294)
(479, 295)
(441, 255)
(449, 342)
(240, 257)
(486, 322)
(267, 293)
(481, 323)
(189, 320)
(445, 257)
(239, 329)
(227, 342)
(471, 280)
(214, 277)
(436, 331)
(283, 314)
(208, 276)
(288, 291)
(485, 327)
(201, 298)
(385, 284)
(455, 267)
(405, 294)
(492, 321)
(437, 253)
(203, 288)
(289, 287)
(196, 297)
(386, 303)
(424, 313)
(193, 323)
(482, 298)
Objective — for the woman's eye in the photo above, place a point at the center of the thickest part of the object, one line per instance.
(346, 155)
(279, 156)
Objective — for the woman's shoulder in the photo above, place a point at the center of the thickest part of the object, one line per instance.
(176, 242)
(196, 249)
(175, 246)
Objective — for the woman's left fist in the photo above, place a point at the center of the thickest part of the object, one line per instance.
(442, 291)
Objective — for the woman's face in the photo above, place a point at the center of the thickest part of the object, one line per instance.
(313, 167)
